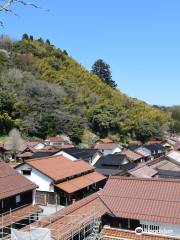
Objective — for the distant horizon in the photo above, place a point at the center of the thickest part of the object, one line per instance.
(139, 40)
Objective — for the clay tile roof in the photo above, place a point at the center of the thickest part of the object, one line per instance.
(143, 199)
(19, 214)
(112, 234)
(55, 139)
(64, 222)
(106, 146)
(59, 167)
(76, 184)
(132, 156)
(12, 183)
(105, 140)
(24, 155)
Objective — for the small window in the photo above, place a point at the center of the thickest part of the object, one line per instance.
(26, 171)
(18, 199)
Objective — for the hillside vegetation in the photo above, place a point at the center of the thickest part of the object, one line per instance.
(43, 91)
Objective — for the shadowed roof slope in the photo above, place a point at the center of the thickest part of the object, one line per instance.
(143, 199)
(59, 167)
(12, 183)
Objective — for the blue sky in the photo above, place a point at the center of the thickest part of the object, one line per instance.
(139, 39)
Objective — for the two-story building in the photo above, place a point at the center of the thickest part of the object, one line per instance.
(60, 180)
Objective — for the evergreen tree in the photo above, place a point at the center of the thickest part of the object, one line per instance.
(48, 42)
(102, 70)
(31, 38)
(25, 36)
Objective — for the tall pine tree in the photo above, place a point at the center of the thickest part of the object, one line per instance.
(102, 70)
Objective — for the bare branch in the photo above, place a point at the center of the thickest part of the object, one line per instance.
(6, 5)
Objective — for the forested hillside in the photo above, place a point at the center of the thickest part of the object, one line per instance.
(43, 91)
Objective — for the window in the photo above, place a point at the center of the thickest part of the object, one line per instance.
(150, 228)
(26, 171)
(18, 199)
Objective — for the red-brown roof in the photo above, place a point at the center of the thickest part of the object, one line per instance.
(72, 218)
(24, 155)
(12, 183)
(143, 199)
(79, 183)
(106, 146)
(19, 214)
(105, 140)
(114, 233)
(59, 167)
(55, 139)
(132, 156)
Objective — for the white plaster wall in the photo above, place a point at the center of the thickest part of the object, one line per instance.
(96, 158)
(165, 228)
(41, 180)
(116, 150)
(62, 153)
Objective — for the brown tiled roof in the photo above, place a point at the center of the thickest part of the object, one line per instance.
(73, 217)
(55, 139)
(112, 234)
(79, 183)
(132, 156)
(12, 183)
(67, 146)
(54, 149)
(59, 167)
(154, 142)
(106, 146)
(105, 140)
(143, 199)
(19, 214)
(24, 155)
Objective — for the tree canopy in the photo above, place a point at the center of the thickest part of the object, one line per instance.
(102, 70)
(43, 91)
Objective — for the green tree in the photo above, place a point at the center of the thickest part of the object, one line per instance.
(102, 70)
(25, 36)
(103, 119)
(48, 42)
